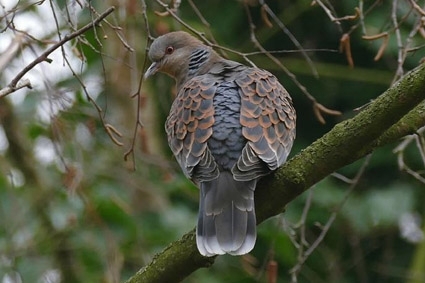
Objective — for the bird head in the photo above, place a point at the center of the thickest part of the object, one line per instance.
(170, 54)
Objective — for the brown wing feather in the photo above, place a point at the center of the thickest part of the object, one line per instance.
(188, 127)
(268, 123)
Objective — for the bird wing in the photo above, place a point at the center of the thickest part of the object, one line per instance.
(268, 123)
(189, 126)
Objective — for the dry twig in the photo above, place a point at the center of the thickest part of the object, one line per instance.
(345, 47)
(44, 56)
(386, 38)
(317, 107)
(267, 10)
(130, 152)
(400, 150)
(303, 256)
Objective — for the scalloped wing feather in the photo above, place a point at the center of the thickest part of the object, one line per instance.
(268, 123)
(189, 126)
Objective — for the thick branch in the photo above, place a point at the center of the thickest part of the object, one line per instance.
(408, 125)
(348, 141)
(184, 258)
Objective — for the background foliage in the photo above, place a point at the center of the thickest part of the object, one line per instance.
(75, 210)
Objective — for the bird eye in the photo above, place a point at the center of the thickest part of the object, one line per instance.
(169, 50)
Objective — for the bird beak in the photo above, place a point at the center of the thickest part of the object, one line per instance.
(151, 70)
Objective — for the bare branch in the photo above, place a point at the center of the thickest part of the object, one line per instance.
(305, 255)
(129, 154)
(207, 24)
(400, 149)
(44, 56)
(400, 60)
(21, 84)
(117, 30)
(329, 13)
(11, 50)
(266, 8)
(318, 109)
(257, 44)
(417, 7)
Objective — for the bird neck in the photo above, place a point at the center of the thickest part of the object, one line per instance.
(200, 62)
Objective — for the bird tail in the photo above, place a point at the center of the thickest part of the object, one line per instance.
(226, 220)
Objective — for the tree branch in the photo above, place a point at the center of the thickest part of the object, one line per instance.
(397, 112)
(347, 142)
(13, 86)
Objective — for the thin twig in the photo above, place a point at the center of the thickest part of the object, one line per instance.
(57, 27)
(417, 7)
(206, 23)
(21, 84)
(12, 49)
(420, 143)
(130, 152)
(44, 56)
(318, 109)
(172, 13)
(400, 61)
(306, 209)
(409, 40)
(342, 178)
(330, 14)
(361, 16)
(201, 35)
(301, 260)
(117, 30)
(99, 42)
(290, 51)
(110, 130)
(400, 149)
(291, 37)
(17, 9)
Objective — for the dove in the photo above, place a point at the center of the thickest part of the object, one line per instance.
(229, 125)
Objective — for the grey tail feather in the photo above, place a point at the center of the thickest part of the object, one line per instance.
(226, 220)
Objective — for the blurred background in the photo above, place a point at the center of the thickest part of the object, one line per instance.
(89, 190)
